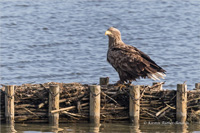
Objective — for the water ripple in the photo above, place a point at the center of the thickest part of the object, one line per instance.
(64, 41)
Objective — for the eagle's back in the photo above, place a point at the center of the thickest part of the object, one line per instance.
(132, 63)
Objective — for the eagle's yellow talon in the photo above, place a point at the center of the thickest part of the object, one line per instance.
(121, 86)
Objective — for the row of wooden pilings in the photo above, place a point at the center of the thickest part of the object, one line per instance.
(95, 100)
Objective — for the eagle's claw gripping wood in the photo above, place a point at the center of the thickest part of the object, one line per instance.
(121, 86)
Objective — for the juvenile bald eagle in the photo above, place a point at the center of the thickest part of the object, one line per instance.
(130, 62)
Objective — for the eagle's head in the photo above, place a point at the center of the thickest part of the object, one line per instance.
(113, 33)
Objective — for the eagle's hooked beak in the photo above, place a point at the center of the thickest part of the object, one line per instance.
(108, 33)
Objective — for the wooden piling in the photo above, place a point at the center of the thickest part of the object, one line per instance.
(134, 104)
(159, 87)
(95, 104)
(75, 97)
(181, 103)
(104, 81)
(9, 104)
(197, 86)
(54, 104)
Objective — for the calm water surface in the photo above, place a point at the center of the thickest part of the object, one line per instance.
(104, 128)
(63, 40)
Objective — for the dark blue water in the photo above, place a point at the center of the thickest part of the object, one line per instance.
(63, 40)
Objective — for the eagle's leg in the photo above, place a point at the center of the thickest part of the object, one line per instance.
(129, 83)
(120, 85)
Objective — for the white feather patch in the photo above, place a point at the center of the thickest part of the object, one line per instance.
(156, 76)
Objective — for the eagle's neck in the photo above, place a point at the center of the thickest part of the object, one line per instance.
(115, 42)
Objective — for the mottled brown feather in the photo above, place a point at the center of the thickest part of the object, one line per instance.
(128, 61)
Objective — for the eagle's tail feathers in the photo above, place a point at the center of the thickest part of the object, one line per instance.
(156, 76)
(161, 75)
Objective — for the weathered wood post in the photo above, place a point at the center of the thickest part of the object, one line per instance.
(9, 104)
(134, 103)
(197, 86)
(181, 103)
(95, 100)
(104, 81)
(159, 86)
(54, 94)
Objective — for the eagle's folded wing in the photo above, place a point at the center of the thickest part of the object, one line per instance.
(134, 62)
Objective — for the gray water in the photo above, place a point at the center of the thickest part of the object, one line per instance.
(104, 128)
(64, 41)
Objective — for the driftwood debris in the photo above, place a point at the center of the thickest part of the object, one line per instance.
(31, 103)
